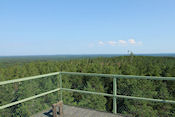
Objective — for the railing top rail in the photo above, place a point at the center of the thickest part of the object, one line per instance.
(88, 92)
(28, 78)
(119, 76)
(88, 74)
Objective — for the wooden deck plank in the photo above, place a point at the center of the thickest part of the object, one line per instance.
(71, 111)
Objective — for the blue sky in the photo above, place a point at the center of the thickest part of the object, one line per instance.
(47, 27)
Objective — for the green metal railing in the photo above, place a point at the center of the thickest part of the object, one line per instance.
(114, 95)
(32, 97)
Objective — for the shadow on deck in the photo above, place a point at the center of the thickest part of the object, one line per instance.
(71, 111)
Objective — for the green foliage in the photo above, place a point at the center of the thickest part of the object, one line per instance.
(93, 101)
(126, 65)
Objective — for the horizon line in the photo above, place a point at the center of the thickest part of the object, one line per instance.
(83, 54)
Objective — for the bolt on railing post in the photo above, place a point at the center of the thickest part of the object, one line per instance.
(61, 92)
(114, 96)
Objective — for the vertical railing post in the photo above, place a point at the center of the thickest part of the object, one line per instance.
(61, 92)
(114, 96)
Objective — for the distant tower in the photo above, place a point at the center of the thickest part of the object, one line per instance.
(128, 52)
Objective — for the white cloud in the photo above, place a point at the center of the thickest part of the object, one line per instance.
(101, 43)
(122, 42)
(132, 41)
(112, 43)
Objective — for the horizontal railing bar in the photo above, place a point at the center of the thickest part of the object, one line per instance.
(89, 74)
(27, 99)
(27, 78)
(120, 96)
(120, 76)
(87, 92)
(146, 99)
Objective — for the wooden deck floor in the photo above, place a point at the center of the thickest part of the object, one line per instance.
(71, 111)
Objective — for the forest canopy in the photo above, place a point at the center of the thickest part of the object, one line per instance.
(125, 65)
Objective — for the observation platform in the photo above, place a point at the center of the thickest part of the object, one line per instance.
(72, 111)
